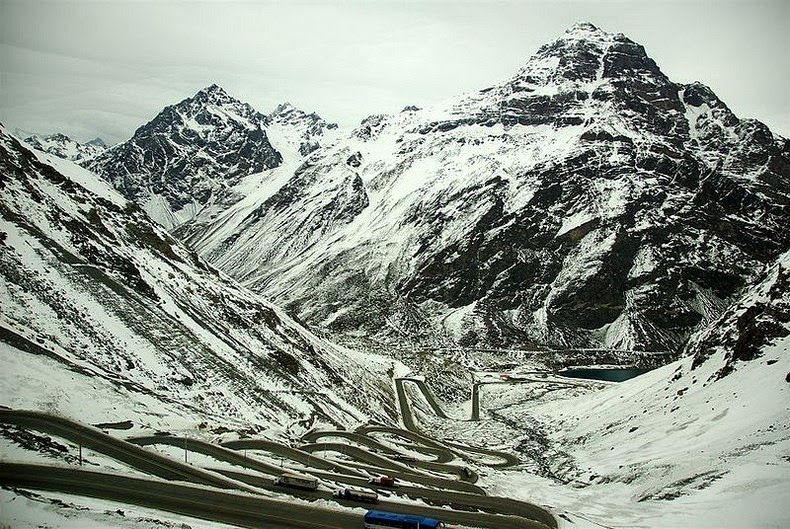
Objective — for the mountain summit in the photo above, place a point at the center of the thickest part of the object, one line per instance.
(182, 159)
(585, 53)
(588, 201)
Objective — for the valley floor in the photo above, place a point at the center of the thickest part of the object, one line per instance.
(642, 453)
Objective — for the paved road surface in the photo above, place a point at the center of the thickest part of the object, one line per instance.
(118, 449)
(208, 504)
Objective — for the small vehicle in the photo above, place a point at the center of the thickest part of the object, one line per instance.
(404, 457)
(356, 495)
(297, 481)
(384, 481)
(379, 519)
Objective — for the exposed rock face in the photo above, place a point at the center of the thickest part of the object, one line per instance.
(188, 155)
(62, 146)
(587, 201)
(757, 322)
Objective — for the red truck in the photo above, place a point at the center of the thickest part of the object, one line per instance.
(384, 481)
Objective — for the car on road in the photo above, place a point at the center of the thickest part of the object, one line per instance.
(384, 481)
(352, 494)
(404, 457)
(297, 481)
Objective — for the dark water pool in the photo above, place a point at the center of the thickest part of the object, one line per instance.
(610, 375)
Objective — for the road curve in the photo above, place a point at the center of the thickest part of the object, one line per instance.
(236, 509)
(120, 450)
(346, 474)
(440, 455)
(294, 454)
(364, 456)
(218, 506)
(508, 460)
(494, 506)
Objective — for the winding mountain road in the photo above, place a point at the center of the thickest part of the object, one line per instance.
(468, 503)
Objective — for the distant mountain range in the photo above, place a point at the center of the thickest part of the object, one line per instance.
(588, 201)
(62, 146)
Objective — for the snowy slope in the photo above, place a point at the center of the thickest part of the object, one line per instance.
(64, 147)
(588, 201)
(106, 317)
(705, 439)
(188, 155)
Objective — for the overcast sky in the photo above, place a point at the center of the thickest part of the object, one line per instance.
(104, 68)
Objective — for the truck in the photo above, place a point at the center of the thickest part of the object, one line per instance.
(297, 481)
(384, 481)
(352, 494)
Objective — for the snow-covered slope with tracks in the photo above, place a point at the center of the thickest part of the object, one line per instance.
(106, 317)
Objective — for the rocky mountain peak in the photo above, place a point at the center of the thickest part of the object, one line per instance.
(288, 113)
(697, 94)
(183, 158)
(284, 109)
(585, 31)
(585, 53)
(215, 95)
(98, 142)
(214, 90)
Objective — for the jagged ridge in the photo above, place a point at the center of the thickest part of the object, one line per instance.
(188, 155)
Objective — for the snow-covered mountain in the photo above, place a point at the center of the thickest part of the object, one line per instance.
(64, 147)
(188, 155)
(587, 201)
(297, 131)
(106, 317)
